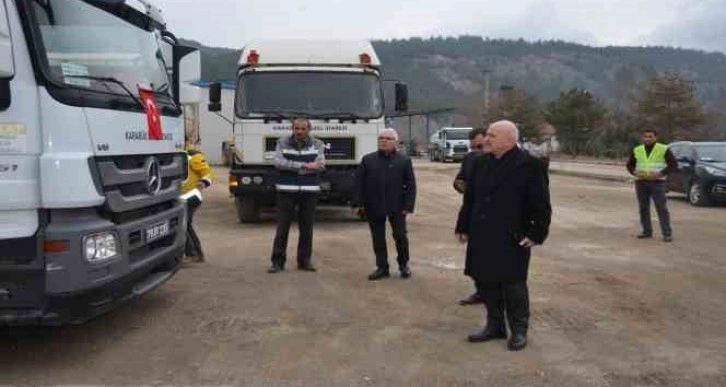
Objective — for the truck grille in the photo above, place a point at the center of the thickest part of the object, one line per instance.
(461, 149)
(128, 182)
(336, 148)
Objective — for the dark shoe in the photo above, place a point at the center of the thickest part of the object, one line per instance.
(405, 272)
(517, 342)
(668, 238)
(378, 274)
(489, 333)
(644, 236)
(471, 300)
(306, 267)
(275, 268)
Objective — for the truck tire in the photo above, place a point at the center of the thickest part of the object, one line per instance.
(696, 195)
(248, 209)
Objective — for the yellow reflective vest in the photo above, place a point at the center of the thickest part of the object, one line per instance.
(647, 164)
(199, 171)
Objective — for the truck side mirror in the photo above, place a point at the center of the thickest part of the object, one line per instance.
(186, 68)
(189, 67)
(215, 97)
(401, 97)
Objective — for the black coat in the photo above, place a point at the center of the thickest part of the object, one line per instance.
(505, 200)
(386, 184)
(465, 171)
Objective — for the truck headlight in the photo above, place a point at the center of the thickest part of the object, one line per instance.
(99, 247)
(715, 171)
(246, 180)
(257, 179)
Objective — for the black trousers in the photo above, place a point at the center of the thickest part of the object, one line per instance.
(288, 205)
(193, 246)
(510, 299)
(400, 235)
(656, 190)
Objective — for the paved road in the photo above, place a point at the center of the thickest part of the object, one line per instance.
(608, 310)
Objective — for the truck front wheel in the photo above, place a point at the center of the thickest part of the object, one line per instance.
(248, 209)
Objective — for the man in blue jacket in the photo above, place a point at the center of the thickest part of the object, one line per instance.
(387, 191)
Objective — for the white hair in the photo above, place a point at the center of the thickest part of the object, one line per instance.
(390, 131)
(509, 128)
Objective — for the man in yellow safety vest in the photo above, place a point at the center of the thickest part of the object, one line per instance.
(650, 162)
(200, 177)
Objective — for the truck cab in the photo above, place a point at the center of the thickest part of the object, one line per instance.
(337, 85)
(449, 144)
(91, 156)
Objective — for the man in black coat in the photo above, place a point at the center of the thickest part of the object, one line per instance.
(476, 143)
(387, 190)
(506, 211)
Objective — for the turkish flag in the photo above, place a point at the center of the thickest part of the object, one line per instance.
(153, 118)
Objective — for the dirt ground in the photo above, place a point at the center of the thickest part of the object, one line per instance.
(607, 309)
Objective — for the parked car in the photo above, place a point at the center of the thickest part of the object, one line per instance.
(701, 171)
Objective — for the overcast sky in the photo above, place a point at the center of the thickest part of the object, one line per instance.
(229, 23)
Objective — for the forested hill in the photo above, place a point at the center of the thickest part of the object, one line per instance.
(444, 72)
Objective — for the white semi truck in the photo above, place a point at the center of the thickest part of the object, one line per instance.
(91, 156)
(449, 143)
(338, 85)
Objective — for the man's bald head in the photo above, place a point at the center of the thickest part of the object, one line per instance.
(502, 136)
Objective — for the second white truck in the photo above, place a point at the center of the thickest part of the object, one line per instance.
(338, 85)
(449, 144)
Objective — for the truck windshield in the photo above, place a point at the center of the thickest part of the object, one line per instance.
(713, 153)
(457, 134)
(81, 42)
(314, 93)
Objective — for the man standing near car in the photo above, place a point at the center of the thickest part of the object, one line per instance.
(650, 162)
(299, 159)
(386, 190)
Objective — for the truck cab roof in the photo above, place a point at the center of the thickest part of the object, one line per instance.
(281, 52)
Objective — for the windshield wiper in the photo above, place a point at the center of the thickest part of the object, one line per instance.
(106, 81)
(282, 114)
(163, 89)
(341, 115)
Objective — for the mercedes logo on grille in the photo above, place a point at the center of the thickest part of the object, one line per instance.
(153, 175)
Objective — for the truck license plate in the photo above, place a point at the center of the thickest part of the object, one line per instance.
(157, 231)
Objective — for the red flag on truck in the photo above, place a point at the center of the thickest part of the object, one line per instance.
(153, 118)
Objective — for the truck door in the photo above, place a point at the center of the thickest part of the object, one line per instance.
(22, 268)
(19, 132)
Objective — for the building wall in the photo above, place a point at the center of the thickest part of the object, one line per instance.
(214, 129)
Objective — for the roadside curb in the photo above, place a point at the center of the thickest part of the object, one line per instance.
(619, 179)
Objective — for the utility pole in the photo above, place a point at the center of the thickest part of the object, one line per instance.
(485, 117)
(410, 137)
